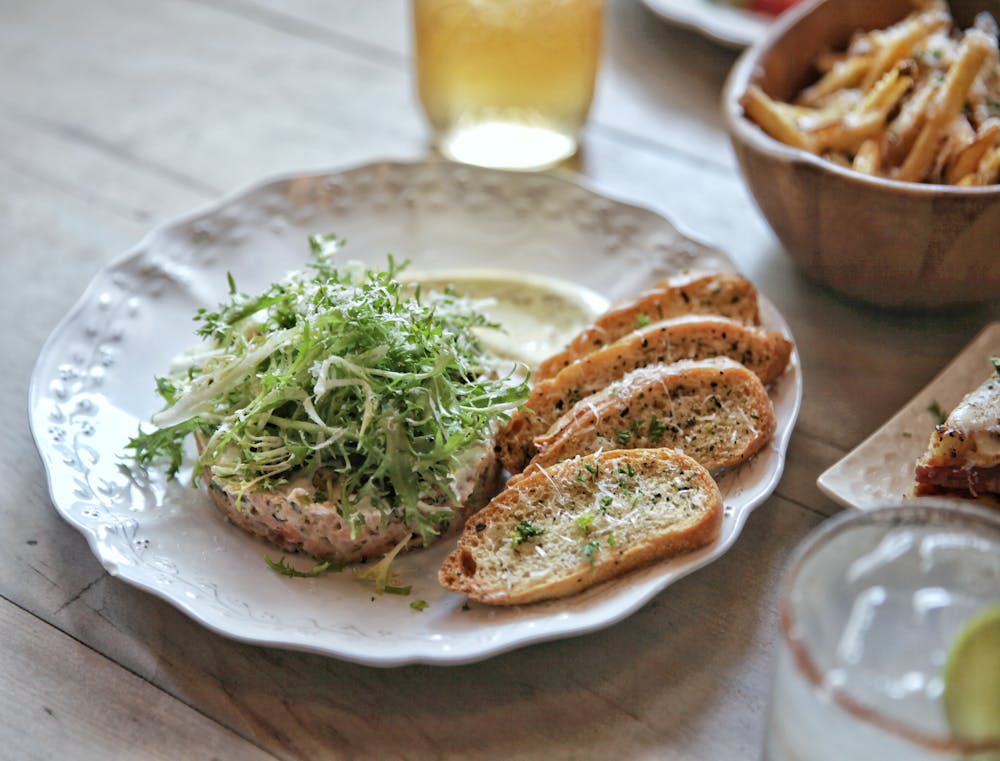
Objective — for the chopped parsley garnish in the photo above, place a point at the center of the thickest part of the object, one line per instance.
(419, 605)
(592, 469)
(590, 548)
(585, 521)
(624, 435)
(606, 503)
(656, 429)
(337, 368)
(524, 531)
(642, 320)
(996, 364)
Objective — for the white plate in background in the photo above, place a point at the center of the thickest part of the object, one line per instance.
(93, 384)
(723, 23)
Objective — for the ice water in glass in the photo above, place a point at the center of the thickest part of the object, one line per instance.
(870, 608)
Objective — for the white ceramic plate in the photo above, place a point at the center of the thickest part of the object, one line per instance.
(880, 469)
(725, 24)
(94, 382)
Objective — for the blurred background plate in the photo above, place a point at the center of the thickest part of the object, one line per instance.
(725, 24)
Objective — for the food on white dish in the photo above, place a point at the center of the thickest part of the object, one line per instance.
(963, 455)
(916, 102)
(336, 415)
(350, 414)
(766, 352)
(621, 439)
(559, 530)
(718, 293)
(715, 411)
(306, 513)
(769, 7)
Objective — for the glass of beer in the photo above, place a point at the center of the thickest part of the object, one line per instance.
(890, 639)
(507, 83)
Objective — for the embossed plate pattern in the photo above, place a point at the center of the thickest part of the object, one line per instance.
(880, 469)
(93, 384)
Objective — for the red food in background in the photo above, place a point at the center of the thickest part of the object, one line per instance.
(772, 7)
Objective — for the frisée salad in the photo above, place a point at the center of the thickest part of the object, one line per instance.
(336, 375)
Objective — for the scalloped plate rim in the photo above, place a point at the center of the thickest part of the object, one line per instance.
(412, 656)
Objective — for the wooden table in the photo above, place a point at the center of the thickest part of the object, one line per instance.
(116, 116)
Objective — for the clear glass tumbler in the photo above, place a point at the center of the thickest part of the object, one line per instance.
(507, 83)
(870, 609)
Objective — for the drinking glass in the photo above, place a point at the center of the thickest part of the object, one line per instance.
(507, 83)
(870, 607)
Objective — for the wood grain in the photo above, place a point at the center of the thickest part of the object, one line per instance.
(115, 117)
(63, 700)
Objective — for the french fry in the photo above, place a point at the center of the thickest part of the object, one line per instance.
(867, 119)
(839, 159)
(896, 43)
(967, 160)
(868, 159)
(973, 50)
(843, 75)
(835, 108)
(987, 173)
(984, 95)
(903, 130)
(826, 60)
(989, 168)
(917, 102)
(763, 110)
(957, 136)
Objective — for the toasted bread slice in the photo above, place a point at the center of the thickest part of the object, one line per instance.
(726, 294)
(565, 528)
(691, 337)
(714, 410)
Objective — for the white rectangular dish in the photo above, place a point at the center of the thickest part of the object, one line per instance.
(880, 469)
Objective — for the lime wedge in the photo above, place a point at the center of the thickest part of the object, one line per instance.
(972, 679)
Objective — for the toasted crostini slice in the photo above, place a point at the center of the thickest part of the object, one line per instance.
(714, 410)
(562, 529)
(719, 293)
(765, 352)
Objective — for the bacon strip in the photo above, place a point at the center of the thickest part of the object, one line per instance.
(974, 480)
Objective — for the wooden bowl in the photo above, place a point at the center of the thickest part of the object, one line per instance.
(889, 243)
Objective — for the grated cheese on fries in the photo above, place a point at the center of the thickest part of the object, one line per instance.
(917, 102)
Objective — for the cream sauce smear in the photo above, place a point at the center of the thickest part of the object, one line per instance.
(539, 314)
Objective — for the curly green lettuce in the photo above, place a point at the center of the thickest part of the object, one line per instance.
(340, 369)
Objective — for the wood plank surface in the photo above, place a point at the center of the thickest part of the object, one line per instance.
(63, 700)
(118, 115)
